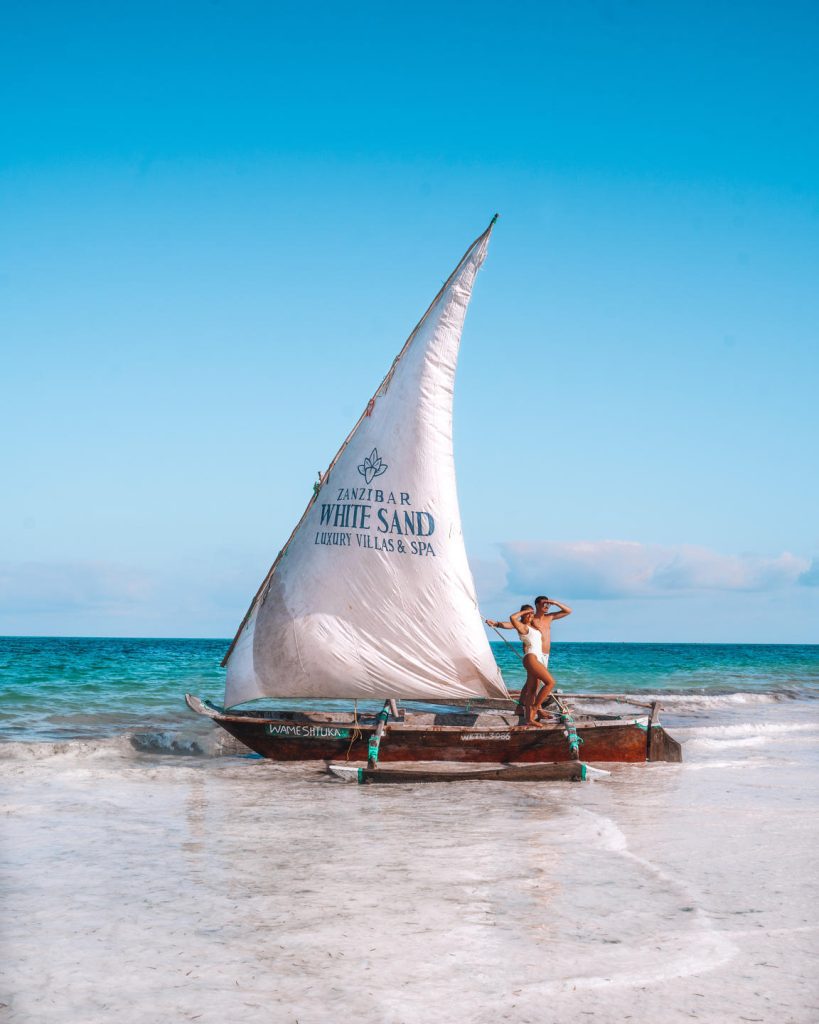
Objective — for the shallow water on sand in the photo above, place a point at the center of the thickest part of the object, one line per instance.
(140, 886)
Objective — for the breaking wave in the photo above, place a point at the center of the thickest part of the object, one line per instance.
(84, 749)
(745, 729)
(693, 700)
(127, 746)
(746, 736)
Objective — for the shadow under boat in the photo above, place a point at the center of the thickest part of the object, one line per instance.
(475, 732)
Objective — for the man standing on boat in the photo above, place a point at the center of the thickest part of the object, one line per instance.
(543, 621)
(530, 699)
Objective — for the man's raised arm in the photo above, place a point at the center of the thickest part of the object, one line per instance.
(564, 610)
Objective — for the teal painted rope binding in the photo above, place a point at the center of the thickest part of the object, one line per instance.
(375, 740)
(571, 734)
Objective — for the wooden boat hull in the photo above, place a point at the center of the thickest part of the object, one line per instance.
(319, 737)
(520, 745)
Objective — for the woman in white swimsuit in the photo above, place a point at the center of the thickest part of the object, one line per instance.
(534, 661)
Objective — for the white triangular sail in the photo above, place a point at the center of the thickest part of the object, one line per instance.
(372, 597)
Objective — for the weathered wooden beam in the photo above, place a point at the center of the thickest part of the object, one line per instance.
(571, 770)
(655, 738)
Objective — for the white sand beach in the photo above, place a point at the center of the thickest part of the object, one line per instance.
(145, 887)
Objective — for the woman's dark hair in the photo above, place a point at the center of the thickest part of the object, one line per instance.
(526, 608)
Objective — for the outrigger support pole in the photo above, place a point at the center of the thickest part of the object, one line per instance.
(568, 723)
(375, 739)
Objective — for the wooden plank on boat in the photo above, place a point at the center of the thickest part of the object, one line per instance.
(473, 704)
(606, 697)
(655, 741)
(567, 770)
(288, 741)
(514, 698)
(661, 746)
(664, 747)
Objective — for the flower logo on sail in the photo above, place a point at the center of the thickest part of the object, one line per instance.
(372, 466)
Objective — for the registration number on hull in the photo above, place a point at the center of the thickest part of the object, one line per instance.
(309, 732)
(487, 736)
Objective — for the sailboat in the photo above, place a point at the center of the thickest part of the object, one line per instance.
(371, 602)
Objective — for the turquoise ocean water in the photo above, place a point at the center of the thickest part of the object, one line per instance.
(82, 688)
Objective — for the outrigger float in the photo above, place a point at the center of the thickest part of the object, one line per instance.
(372, 599)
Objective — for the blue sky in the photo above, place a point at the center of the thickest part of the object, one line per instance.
(221, 221)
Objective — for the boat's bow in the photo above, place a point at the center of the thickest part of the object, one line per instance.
(203, 707)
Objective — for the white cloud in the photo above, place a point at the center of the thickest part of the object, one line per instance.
(194, 596)
(810, 577)
(617, 568)
(69, 586)
(692, 568)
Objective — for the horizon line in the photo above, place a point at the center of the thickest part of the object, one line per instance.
(227, 640)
